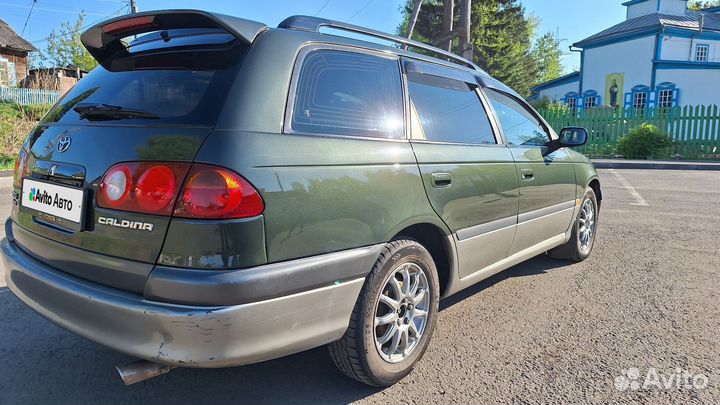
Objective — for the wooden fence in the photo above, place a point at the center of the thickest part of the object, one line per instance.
(28, 96)
(695, 131)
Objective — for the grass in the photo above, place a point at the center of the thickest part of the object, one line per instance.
(16, 122)
(7, 163)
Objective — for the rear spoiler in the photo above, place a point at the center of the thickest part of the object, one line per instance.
(103, 39)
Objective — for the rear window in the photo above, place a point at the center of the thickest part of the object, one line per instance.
(348, 93)
(173, 86)
(178, 38)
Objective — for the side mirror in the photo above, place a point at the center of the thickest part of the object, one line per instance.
(573, 136)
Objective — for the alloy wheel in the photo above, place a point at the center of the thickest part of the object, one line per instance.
(586, 225)
(401, 312)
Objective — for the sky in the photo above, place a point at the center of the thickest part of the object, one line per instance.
(572, 19)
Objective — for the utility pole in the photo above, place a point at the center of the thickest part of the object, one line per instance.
(466, 48)
(413, 18)
(133, 7)
(447, 24)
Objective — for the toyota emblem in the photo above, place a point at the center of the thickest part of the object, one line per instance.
(64, 144)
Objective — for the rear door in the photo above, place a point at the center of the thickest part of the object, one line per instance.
(546, 177)
(469, 176)
(154, 98)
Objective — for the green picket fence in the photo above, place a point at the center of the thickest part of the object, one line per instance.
(695, 131)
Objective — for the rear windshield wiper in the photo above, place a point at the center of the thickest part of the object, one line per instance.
(101, 112)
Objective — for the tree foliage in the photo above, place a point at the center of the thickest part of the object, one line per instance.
(547, 105)
(501, 34)
(697, 5)
(548, 56)
(64, 48)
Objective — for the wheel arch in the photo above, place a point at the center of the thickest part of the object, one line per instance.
(595, 185)
(438, 242)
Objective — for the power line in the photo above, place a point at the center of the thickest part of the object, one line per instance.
(28, 17)
(361, 9)
(88, 25)
(322, 8)
(54, 10)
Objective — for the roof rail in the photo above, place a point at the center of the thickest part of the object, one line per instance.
(314, 24)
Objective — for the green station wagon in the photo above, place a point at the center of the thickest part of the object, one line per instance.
(219, 193)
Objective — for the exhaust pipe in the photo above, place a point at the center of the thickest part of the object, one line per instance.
(142, 370)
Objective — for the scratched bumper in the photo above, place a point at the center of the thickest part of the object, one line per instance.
(184, 335)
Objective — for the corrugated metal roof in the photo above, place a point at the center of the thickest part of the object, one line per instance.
(574, 76)
(691, 21)
(10, 39)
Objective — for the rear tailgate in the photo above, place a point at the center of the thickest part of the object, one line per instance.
(172, 74)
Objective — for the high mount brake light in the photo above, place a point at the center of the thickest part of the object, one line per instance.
(209, 192)
(129, 24)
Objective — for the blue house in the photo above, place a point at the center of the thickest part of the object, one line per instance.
(662, 55)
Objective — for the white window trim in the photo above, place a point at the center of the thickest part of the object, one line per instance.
(706, 52)
(591, 102)
(668, 102)
(638, 95)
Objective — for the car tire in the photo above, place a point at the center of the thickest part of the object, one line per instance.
(582, 239)
(403, 271)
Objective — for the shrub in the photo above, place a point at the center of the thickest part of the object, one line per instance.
(16, 122)
(546, 105)
(9, 111)
(13, 132)
(32, 112)
(643, 142)
(7, 162)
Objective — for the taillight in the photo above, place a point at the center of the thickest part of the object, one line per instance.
(115, 187)
(144, 187)
(155, 189)
(21, 168)
(209, 192)
(214, 192)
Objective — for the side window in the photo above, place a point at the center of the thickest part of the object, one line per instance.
(348, 93)
(448, 111)
(519, 125)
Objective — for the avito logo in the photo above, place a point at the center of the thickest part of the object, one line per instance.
(42, 197)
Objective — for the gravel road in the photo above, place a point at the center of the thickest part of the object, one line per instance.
(545, 331)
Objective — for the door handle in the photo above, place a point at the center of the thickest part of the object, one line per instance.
(527, 174)
(441, 180)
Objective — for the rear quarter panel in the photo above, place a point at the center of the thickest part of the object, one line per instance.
(325, 194)
(321, 194)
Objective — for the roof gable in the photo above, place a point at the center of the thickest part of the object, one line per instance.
(10, 39)
(566, 79)
(652, 23)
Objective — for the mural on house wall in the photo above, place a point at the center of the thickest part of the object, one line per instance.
(7, 72)
(614, 88)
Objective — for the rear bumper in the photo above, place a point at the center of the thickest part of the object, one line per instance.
(184, 335)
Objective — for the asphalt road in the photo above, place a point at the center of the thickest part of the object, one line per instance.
(542, 332)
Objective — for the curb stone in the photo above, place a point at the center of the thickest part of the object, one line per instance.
(654, 165)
